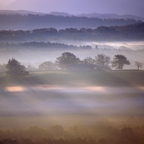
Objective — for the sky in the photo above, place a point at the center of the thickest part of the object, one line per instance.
(134, 7)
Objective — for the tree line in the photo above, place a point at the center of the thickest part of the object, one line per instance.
(48, 45)
(102, 61)
(127, 32)
(69, 60)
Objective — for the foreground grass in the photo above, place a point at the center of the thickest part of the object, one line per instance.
(65, 78)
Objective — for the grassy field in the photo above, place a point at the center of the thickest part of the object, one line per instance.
(65, 78)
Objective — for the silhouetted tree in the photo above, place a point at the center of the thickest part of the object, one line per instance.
(15, 69)
(67, 59)
(138, 64)
(48, 65)
(119, 61)
(102, 60)
(107, 61)
(89, 61)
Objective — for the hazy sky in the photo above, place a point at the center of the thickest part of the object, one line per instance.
(135, 7)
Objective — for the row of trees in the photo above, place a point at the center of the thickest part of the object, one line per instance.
(127, 32)
(48, 45)
(68, 59)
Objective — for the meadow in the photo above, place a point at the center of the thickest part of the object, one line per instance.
(78, 78)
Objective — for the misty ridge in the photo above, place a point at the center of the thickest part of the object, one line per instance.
(36, 21)
(64, 14)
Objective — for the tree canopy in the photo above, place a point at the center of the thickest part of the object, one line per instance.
(119, 61)
(67, 59)
(89, 61)
(15, 69)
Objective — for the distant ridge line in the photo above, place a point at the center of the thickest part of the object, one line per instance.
(89, 15)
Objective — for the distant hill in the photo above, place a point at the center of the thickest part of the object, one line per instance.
(90, 15)
(27, 20)
(111, 16)
(21, 12)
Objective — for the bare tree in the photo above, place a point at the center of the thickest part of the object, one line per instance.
(138, 64)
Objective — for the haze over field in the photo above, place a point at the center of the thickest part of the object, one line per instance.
(134, 51)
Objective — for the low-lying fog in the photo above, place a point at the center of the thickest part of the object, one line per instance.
(134, 51)
(126, 45)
